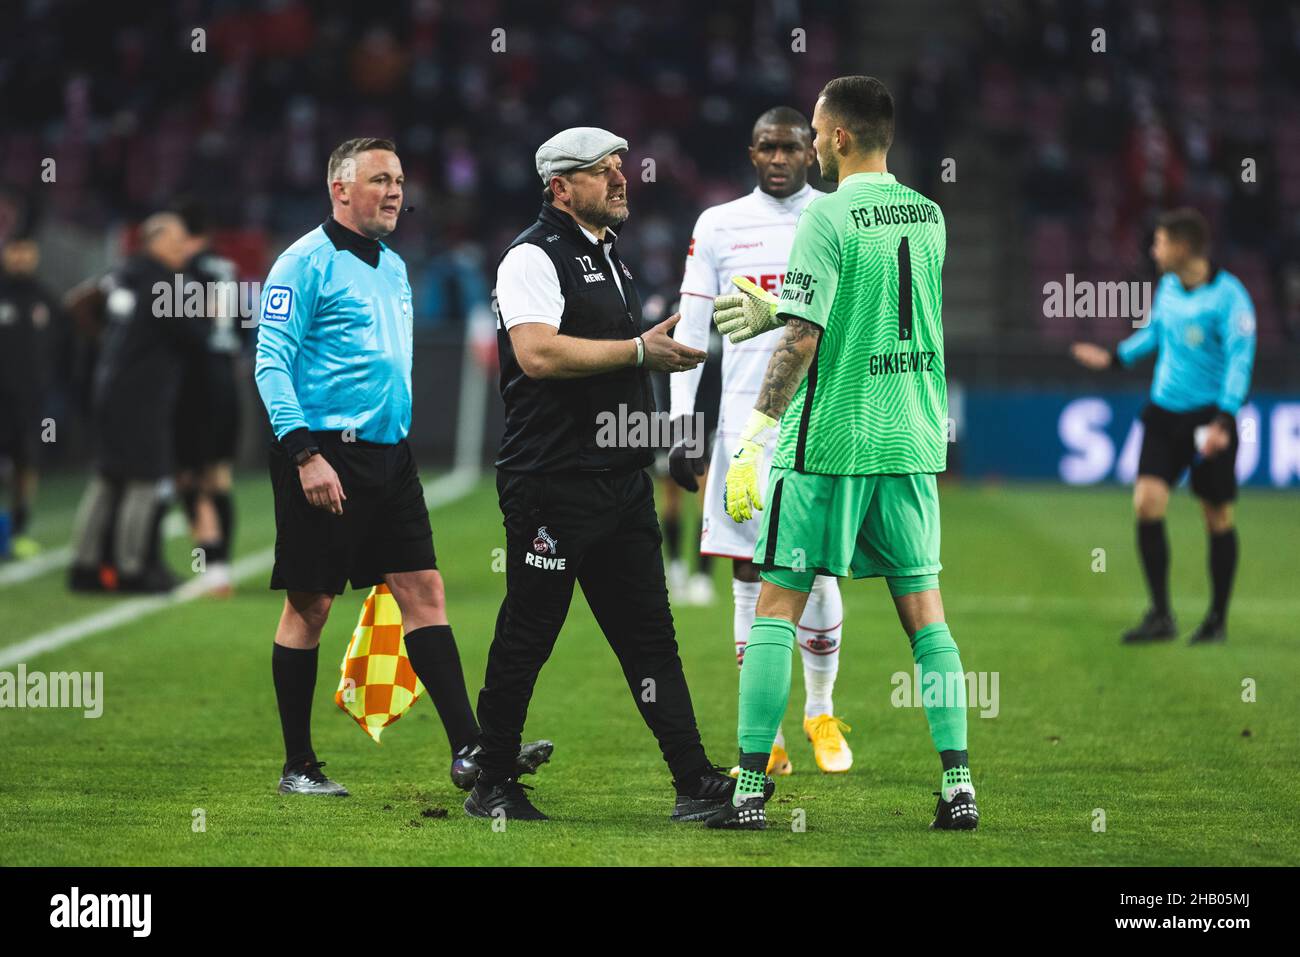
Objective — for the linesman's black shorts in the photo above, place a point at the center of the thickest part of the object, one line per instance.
(1169, 449)
(384, 527)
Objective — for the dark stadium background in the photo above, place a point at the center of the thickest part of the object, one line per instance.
(1062, 155)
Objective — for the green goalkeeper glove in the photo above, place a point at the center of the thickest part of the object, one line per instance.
(743, 316)
(741, 486)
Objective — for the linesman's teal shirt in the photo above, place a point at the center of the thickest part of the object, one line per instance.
(334, 339)
(1205, 339)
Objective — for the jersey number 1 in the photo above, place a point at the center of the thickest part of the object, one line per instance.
(904, 290)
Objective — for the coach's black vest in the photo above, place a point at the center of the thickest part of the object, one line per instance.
(552, 424)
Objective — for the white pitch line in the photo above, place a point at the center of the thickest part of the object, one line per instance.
(26, 569)
(438, 492)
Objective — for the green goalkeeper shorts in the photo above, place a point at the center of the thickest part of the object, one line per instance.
(862, 526)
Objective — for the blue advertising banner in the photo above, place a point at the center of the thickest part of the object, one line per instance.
(1090, 438)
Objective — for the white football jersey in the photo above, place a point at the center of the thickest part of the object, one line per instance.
(750, 236)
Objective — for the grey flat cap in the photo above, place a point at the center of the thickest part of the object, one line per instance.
(576, 148)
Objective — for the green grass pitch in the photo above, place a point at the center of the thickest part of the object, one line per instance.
(1158, 738)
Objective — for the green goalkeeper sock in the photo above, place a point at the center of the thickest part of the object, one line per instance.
(764, 683)
(943, 686)
(954, 780)
(749, 784)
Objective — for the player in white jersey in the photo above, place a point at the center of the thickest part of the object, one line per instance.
(751, 236)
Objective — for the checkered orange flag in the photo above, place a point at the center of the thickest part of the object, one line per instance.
(377, 685)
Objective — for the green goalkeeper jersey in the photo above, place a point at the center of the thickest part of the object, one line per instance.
(866, 267)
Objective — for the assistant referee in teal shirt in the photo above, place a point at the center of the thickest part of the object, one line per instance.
(1202, 333)
(334, 355)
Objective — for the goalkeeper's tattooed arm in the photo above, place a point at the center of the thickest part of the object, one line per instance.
(788, 366)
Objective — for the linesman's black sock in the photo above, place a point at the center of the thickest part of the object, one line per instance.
(1223, 566)
(1153, 546)
(294, 673)
(436, 662)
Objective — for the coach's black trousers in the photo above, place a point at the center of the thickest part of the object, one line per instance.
(600, 531)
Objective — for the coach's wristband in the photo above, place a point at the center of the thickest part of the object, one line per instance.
(640, 351)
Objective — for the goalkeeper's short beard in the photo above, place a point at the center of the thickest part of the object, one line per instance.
(829, 168)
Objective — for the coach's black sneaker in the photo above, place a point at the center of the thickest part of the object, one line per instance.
(1211, 631)
(307, 778)
(751, 815)
(1153, 627)
(709, 793)
(506, 800)
(465, 769)
(959, 814)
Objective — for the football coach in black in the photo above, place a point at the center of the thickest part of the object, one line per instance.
(577, 507)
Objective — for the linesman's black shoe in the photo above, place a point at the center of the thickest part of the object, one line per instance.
(707, 794)
(506, 800)
(1213, 630)
(465, 769)
(751, 815)
(307, 778)
(959, 814)
(1153, 627)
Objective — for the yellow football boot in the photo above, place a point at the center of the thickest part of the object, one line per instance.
(830, 750)
(778, 762)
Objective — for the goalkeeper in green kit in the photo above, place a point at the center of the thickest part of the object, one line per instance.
(857, 383)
